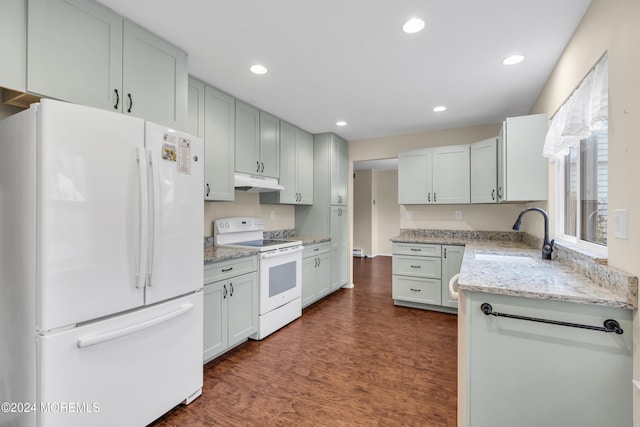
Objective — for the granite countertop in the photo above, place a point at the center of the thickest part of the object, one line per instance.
(310, 240)
(530, 277)
(218, 253)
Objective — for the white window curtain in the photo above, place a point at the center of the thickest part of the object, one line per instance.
(584, 112)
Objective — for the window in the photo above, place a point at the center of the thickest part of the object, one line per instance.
(577, 142)
(582, 192)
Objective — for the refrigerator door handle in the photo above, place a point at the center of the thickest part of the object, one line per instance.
(99, 339)
(153, 216)
(143, 218)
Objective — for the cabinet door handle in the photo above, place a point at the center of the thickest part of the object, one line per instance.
(500, 193)
(208, 189)
(416, 290)
(115, 107)
(262, 169)
(130, 103)
(224, 270)
(434, 197)
(224, 291)
(445, 252)
(493, 194)
(257, 167)
(429, 197)
(416, 266)
(315, 262)
(231, 286)
(319, 262)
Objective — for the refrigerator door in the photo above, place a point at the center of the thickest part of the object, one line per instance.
(124, 371)
(90, 213)
(176, 176)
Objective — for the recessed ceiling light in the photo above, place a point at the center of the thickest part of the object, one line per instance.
(440, 108)
(258, 69)
(341, 123)
(513, 59)
(413, 25)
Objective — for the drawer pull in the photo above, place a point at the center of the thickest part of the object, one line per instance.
(416, 249)
(316, 249)
(224, 270)
(416, 290)
(416, 266)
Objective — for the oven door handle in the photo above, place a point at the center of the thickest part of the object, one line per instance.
(281, 252)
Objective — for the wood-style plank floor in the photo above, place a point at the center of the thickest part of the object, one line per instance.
(352, 359)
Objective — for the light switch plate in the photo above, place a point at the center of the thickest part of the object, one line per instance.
(459, 215)
(620, 224)
(409, 214)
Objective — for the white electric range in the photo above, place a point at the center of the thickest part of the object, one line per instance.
(279, 267)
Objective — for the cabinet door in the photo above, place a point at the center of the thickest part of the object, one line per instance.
(339, 170)
(74, 52)
(243, 307)
(155, 78)
(195, 109)
(451, 263)
(247, 138)
(309, 280)
(484, 171)
(525, 170)
(13, 44)
(415, 177)
(323, 271)
(215, 320)
(451, 176)
(502, 155)
(219, 145)
(270, 146)
(304, 167)
(339, 219)
(288, 148)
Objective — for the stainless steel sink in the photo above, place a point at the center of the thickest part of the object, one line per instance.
(511, 259)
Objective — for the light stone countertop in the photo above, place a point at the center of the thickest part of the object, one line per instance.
(540, 279)
(218, 253)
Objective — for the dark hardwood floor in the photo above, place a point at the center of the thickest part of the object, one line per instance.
(352, 359)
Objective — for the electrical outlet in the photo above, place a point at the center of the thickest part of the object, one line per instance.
(273, 215)
(459, 215)
(409, 214)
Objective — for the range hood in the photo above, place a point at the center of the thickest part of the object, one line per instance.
(256, 184)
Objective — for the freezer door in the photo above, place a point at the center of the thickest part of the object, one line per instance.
(90, 193)
(125, 371)
(176, 176)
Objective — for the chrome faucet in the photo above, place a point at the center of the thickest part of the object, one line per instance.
(547, 246)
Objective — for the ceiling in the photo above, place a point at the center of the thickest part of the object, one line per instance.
(331, 60)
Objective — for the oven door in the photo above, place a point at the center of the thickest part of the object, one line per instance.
(280, 277)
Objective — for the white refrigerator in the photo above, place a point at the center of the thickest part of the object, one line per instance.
(101, 219)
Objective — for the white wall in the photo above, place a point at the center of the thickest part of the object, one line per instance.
(385, 210)
(362, 211)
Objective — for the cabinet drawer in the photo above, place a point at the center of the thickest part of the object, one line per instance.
(224, 269)
(417, 266)
(417, 249)
(426, 291)
(315, 249)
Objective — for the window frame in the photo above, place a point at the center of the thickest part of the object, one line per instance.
(559, 209)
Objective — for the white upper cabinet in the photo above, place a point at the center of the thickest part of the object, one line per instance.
(195, 108)
(82, 52)
(13, 44)
(296, 173)
(484, 171)
(522, 170)
(437, 175)
(257, 141)
(155, 78)
(451, 175)
(415, 177)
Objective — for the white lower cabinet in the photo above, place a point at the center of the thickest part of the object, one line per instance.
(516, 372)
(230, 305)
(315, 272)
(421, 274)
